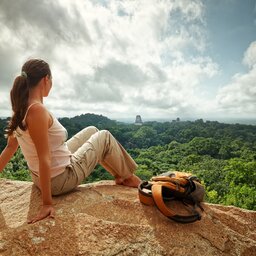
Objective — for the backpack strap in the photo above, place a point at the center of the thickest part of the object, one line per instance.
(162, 207)
(145, 192)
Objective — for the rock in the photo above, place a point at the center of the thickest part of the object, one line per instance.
(105, 219)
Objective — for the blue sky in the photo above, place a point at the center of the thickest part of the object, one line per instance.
(159, 59)
(231, 29)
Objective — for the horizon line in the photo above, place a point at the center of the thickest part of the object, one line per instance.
(229, 120)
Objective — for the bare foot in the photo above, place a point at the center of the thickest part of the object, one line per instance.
(119, 180)
(133, 181)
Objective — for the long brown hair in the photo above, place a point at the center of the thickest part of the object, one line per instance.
(31, 74)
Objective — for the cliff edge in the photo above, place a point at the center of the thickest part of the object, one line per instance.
(105, 219)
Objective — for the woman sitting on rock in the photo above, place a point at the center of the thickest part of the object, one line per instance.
(57, 166)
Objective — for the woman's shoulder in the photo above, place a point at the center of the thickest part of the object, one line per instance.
(35, 105)
(37, 113)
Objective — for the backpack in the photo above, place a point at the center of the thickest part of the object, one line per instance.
(174, 186)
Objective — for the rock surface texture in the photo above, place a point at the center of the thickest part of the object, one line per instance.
(105, 219)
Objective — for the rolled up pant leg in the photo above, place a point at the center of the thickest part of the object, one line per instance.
(104, 149)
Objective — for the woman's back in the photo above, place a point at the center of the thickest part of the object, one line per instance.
(60, 155)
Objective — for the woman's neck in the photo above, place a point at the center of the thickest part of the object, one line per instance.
(35, 96)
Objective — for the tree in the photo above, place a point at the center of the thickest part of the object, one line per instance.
(17, 168)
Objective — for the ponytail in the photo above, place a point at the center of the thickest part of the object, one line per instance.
(19, 99)
(32, 72)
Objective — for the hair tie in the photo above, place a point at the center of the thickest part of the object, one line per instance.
(24, 74)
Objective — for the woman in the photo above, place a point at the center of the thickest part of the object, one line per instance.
(56, 166)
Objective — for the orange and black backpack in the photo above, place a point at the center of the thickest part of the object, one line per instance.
(174, 186)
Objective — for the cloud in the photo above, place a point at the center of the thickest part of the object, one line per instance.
(118, 57)
(250, 55)
(53, 21)
(239, 96)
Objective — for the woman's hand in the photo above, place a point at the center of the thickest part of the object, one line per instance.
(45, 211)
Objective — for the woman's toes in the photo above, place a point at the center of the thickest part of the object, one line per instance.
(132, 181)
(119, 181)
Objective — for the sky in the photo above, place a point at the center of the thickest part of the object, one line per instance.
(160, 59)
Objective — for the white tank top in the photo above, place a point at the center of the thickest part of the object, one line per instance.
(60, 154)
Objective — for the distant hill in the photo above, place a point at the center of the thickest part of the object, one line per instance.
(154, 133)
(73, 124)
(77, 123)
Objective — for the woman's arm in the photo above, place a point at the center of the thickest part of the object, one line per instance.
(38, 122)
(8, 152)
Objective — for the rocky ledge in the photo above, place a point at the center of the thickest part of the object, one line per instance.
(105, 219)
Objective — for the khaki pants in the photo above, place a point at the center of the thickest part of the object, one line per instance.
(90, 147)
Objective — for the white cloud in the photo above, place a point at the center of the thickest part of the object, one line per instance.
(118, 57)
(239, 96)
(250, 55)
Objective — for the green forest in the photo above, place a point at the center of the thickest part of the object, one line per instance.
(222, 155)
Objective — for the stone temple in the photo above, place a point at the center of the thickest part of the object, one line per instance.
(138, 120)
